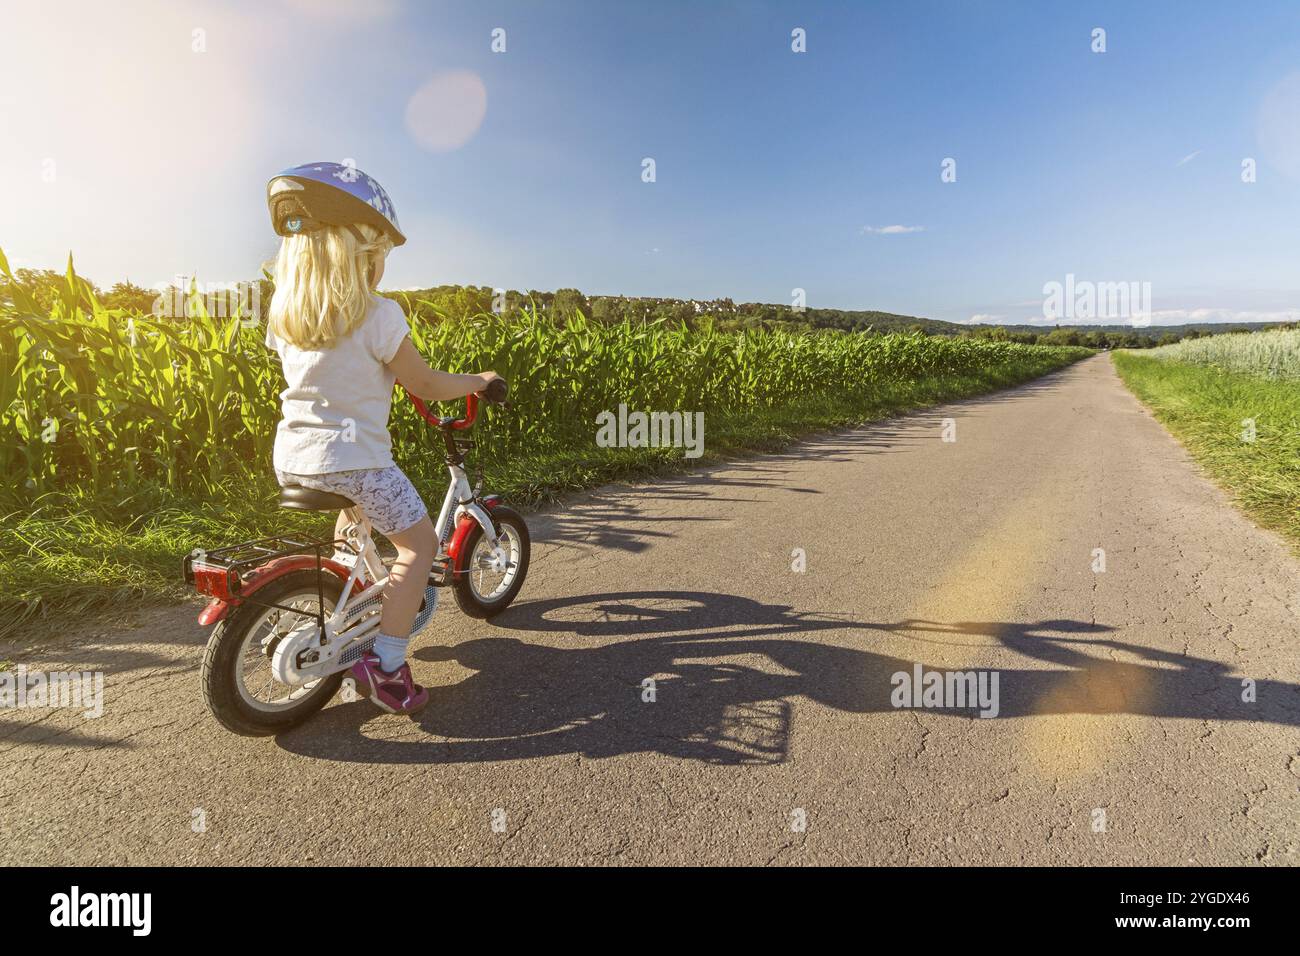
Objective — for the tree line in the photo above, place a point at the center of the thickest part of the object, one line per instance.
(461, 301)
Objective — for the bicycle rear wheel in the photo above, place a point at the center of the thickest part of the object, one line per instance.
(238, 683)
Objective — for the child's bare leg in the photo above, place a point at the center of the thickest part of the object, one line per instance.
(407, 580)
(382, 675)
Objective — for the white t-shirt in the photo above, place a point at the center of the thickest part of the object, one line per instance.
(334, 414)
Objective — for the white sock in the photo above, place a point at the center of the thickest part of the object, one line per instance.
(391, 651)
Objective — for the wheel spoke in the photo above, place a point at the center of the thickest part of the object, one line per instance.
(256, 678)
(492, 570)
(269, 688)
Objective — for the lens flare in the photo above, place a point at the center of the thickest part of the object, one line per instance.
(445, 113)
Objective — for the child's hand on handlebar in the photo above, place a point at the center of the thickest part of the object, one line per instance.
(488, 378)
(496, 389)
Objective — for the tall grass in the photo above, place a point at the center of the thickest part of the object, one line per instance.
(1244, 429)
(1272, 354)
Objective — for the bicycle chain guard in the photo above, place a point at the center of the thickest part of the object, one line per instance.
(299, 657)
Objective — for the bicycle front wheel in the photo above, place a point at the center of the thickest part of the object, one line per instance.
(487, 578)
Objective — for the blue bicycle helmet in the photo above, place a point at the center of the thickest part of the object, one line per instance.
(329, 194)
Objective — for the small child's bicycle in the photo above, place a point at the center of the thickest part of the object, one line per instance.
(291, 616)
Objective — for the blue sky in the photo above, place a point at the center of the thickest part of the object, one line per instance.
(775, 170)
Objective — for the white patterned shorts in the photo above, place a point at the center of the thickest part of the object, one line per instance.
(389, 499)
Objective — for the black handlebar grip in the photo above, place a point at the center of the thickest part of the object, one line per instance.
(496, 391)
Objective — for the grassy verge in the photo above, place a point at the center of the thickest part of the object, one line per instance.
(65, 552)
(1207, 409)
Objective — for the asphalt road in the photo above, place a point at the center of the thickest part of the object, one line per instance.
(1121, 737)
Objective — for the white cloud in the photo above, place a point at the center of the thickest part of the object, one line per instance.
(1187, 159)
(1181, 316)
(1158, 317)
(891, 230)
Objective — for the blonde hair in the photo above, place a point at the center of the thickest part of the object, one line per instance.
(323, 281)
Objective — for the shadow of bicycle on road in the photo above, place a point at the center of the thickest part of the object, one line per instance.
(726, 670)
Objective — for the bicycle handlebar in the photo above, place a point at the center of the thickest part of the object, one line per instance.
(495, 393)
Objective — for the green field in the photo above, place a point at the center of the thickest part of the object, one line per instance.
(1208, 392)
(1272, 354)
(128, 440)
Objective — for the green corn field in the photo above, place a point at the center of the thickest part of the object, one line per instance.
(101, 400)
(128, 439)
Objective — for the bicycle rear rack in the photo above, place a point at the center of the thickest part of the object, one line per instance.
(220, 573)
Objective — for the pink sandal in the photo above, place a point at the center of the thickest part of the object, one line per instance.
(396, 693)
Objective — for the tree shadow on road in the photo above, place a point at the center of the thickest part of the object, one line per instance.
(728, 672)
(611, 519)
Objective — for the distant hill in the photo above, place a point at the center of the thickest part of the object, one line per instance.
(468, 300)
(1156, 331)
(461, 300)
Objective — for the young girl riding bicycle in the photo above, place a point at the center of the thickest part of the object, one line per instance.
(342, 348)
